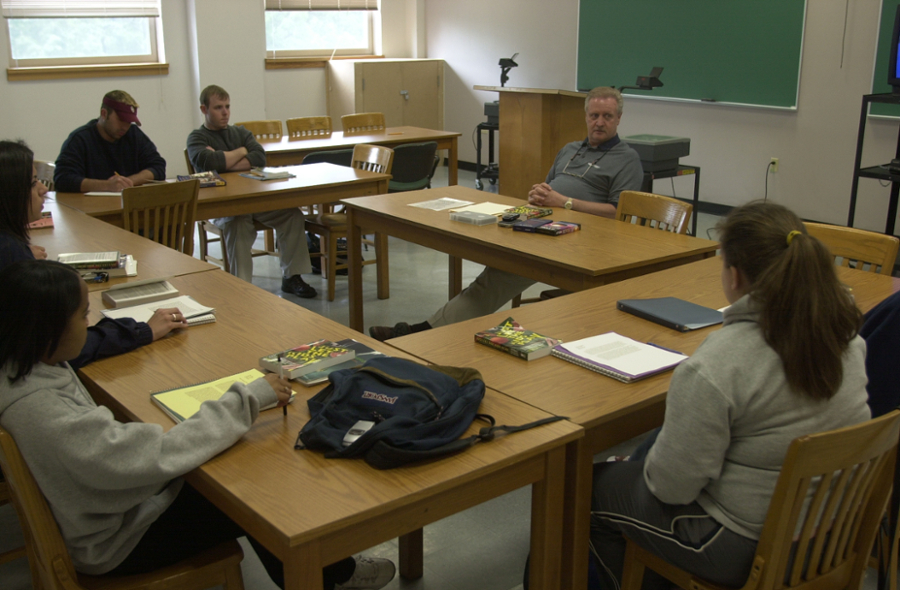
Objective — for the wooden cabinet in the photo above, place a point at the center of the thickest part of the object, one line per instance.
(407, 91)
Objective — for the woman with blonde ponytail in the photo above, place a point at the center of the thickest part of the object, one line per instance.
(787, 362)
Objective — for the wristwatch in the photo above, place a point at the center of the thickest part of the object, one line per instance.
(568, 205)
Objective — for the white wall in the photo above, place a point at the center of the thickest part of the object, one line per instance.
(815, 144)
(206, 42)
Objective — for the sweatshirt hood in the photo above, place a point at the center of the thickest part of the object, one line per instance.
(42, 376)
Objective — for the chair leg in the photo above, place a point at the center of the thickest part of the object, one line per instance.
(332, 263)
(517, 300)
(203, 239)
(632, 570)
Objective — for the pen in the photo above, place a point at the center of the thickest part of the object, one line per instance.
(281, 374)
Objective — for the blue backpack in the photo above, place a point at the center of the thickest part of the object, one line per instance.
(416, 413)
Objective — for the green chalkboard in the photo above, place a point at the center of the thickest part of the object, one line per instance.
(732, 51)
(882, 55)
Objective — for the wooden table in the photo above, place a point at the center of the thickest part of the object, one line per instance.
(610, 411)
(74, 231)
(603, 251)
(313, 184)
(289, 151)
(308, 510)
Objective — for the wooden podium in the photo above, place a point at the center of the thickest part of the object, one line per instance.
(534, 124)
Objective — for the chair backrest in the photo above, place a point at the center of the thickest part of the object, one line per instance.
(863, 247)
(187, 160)
(339, 157)
(267, 130)
(164, 213)
(45, 172)
(362, 123)
(413, 166)
(309, 128)
(375, 158)
(651, 210)
(47, 554)
(849, 473)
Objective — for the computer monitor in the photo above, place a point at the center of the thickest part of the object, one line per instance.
(893, 73)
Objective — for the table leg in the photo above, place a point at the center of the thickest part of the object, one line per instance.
(354, 278)
(453, 172)
(455, 276)
(411, 555)
(302, 568)
(382, 267)
(576, 515)
(546, 523)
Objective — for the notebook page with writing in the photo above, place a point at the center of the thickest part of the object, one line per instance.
(618, 357)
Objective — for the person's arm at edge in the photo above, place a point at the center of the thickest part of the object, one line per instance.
(69, 172)
(256, 154)
(110, 337)
(202, 158)
(153, 165)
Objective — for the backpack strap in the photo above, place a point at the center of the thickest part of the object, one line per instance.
(385, 456)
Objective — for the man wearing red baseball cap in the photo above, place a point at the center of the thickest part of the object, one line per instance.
(109, 153)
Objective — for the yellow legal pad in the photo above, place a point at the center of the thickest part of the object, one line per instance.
(183, 402)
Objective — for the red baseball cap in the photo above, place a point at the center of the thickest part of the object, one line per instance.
(126, 112)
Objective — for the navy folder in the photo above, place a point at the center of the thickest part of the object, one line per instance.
(672, 312)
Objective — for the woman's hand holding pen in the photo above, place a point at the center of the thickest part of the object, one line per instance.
(281, 386)
(165, 320)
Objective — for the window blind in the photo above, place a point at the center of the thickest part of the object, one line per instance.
(321, 4)
(78, 8)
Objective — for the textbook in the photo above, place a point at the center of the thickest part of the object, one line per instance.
(672, 312)
(530, 225)
(139, 292)
(525, 212)
(512, 338)
(363, 353)
(193, 312)
(183, 402)
(558, 228)
(267, 173)
(315, 356)
(90, 260)
(619, 357)
(207, 179)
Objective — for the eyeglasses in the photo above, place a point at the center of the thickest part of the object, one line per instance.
(589, 166)
(95, 277)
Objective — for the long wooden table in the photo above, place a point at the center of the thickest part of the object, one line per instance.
(308, 510)
(289, 151)
(603, 251)
(610, 411)
(313, 184)
(74, 231)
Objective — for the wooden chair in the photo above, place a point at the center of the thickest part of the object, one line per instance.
(362, 124)
(51, 566)
(331, 227)
(164, 213)
(652, 210)
(309, 128)
(266, 130)
(849, 472)
(45, 172)
(646, 209)
(19, 552)
(206, 227)
(878, 251)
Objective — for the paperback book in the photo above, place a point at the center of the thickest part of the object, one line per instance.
(512, 338)
(267, 173)
(139, 292)
(530, 225)
(525, 212)
(207, 179)
(46, 220)
(363, 354)
(193, 312)
(619, 357)
(315, 356)
(558, 228)
(90, 260)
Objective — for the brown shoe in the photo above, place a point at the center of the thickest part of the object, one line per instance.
(382, 333)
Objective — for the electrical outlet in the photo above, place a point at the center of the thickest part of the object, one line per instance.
(773, 164)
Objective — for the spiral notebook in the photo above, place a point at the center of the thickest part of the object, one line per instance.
(618, 357)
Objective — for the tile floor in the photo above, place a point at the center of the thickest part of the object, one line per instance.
(490, 539)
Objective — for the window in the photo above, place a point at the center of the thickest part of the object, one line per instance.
(82, 32)
(309, 28)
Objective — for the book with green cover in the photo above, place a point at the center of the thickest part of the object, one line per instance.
(512, 338)
(315, 356)
(363, 353)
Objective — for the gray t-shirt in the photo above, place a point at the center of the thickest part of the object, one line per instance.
(607, 171)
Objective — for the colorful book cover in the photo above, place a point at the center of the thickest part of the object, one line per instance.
(525, 212)
(558, 228)
(363, 354)
(530, 225)
(46, 220)
(294, 362)
(512, 338)
(207, 179)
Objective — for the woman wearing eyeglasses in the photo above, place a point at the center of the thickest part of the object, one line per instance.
(21, 202)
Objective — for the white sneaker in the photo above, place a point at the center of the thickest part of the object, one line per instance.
(371, 573)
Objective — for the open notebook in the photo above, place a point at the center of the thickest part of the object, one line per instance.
(618, 357)
(193, 312)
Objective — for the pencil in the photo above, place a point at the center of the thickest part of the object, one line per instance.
(281, 374)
